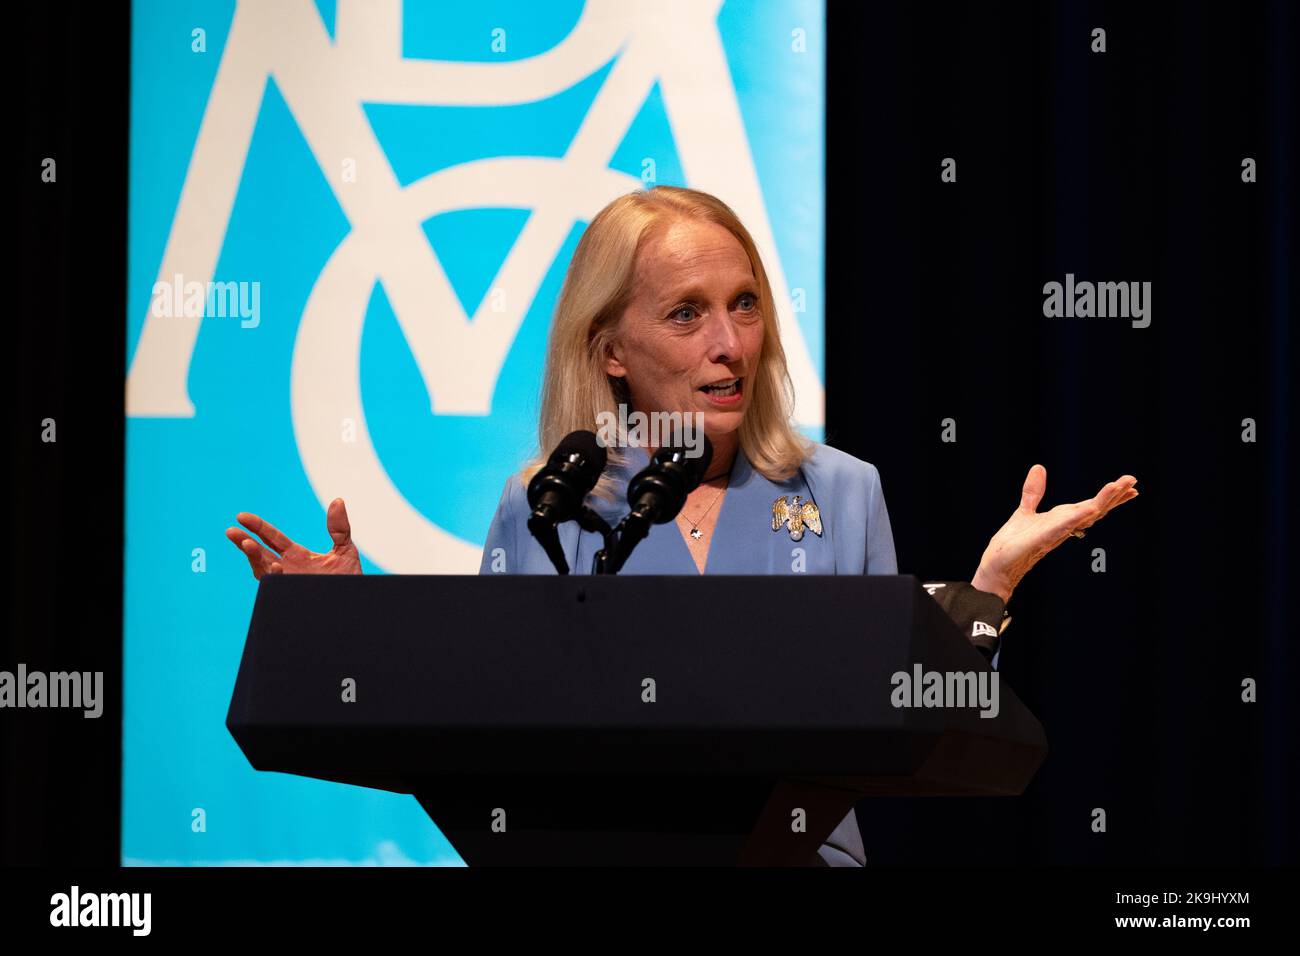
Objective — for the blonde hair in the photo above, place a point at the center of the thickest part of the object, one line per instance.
(597, 289)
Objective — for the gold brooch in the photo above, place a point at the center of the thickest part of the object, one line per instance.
(798, 515)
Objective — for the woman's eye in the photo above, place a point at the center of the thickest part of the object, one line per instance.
(685, 314)
(747, 302)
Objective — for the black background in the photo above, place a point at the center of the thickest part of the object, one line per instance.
(59, 788)
(1122, 166)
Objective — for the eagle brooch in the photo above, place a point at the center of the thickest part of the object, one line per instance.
(798, 515)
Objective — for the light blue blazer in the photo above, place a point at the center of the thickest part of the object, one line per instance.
(856, 536)
(856, 539)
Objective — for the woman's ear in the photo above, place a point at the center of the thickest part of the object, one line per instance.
(613, 365)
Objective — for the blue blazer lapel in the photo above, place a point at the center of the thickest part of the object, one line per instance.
(743, 539)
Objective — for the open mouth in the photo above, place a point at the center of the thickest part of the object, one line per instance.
(729, 389)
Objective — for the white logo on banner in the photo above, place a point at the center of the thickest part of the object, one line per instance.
(672, 42)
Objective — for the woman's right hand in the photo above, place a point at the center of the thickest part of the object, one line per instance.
(282, 556)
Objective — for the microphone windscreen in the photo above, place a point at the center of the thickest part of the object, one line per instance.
(590, 455)
(584, 445)
(691, 469)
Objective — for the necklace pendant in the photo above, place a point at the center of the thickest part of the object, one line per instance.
(696, 534)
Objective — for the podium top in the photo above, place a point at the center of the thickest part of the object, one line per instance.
(383, 679)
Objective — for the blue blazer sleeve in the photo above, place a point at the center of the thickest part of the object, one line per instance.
(501, 550)
(881, 558)
(852, 502)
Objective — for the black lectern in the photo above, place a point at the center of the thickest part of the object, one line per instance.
(621, 720)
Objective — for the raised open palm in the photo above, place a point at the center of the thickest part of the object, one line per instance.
(278, 554)
(1029, 533)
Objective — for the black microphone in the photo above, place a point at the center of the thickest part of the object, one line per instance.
(556, 493)
(656, 495)
(658, 492)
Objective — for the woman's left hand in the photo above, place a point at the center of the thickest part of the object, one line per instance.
(1029, 534)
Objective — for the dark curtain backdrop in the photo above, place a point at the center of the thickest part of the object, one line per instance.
(67, 67)
(1115, 166)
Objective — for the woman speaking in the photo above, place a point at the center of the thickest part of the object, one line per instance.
(666, 308)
